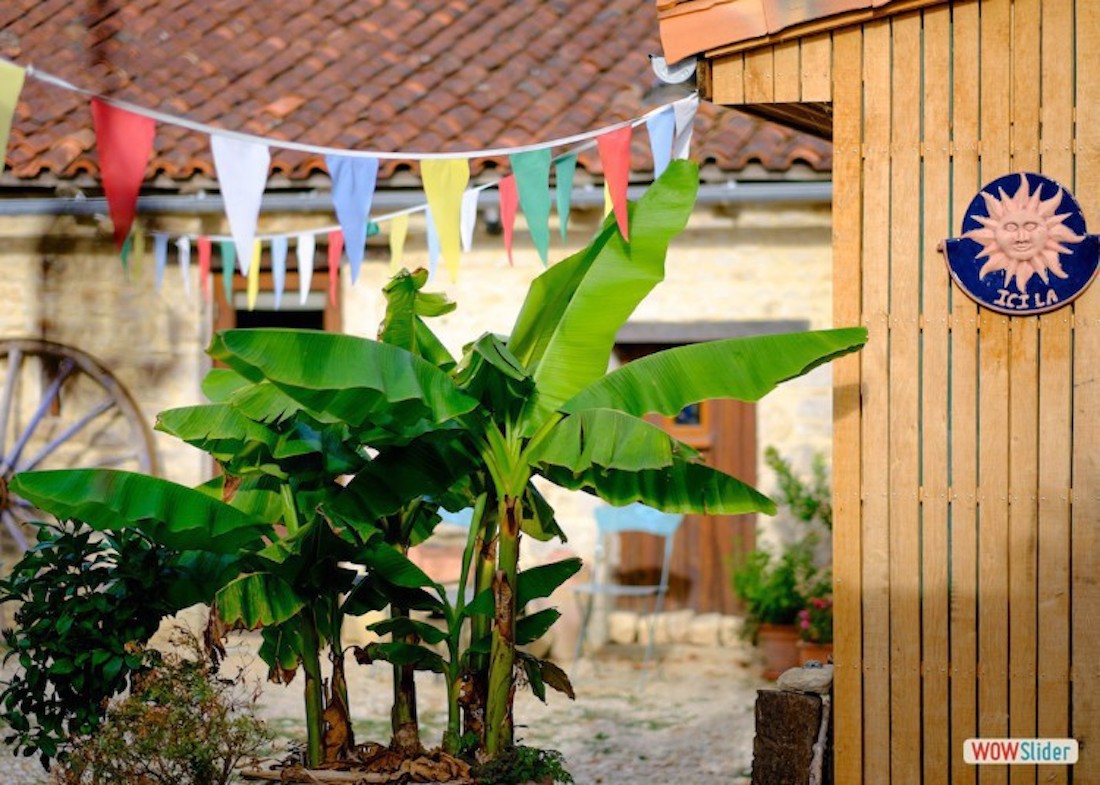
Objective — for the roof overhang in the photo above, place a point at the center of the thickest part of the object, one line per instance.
(714, 27)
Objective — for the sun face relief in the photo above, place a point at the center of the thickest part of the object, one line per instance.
(1024, 247)
(1023, 235)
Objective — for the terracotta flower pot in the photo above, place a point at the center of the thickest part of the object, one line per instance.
(779, 645)
(810, 650)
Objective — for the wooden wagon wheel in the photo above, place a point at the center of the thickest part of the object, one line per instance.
(61, 408)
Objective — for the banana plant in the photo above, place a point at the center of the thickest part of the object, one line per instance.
(545, 404)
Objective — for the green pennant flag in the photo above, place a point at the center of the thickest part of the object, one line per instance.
(124, 254)
(532, 171)
(11, 85)
(229, 263)
(563, 175)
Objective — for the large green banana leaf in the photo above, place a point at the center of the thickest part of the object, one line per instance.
(745, 369)
(566, 329)
(257, 599)
(226, 435)
(622, 459)
(341, 378)
(173, 515)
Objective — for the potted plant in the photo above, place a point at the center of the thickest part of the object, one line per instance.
(769, 584)
(815, 623)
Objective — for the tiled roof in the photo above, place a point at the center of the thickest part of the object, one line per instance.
(392, 75)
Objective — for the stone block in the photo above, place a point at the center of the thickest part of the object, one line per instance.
(670, 627)
(622, 627)
(787, 726)
(729, 630)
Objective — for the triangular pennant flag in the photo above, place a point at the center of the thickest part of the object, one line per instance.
(662, 129)
(433, 243)
(353, 181)
(204, 266)
(615, 156)
(242, 174)
(183, 251)
(399, 230)
(279, 247)
(160, 254)
(124, 254)
(509, 198)
(685, 120)
(125, 142)
(608, 205)
(564, 170)
(254, 275)
(307, 246)
(532, 172)
(11, 85)
(445, 180)
(469, 218)
(335, 249)
(229, 261)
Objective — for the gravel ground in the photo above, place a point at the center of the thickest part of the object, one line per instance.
(690, 720)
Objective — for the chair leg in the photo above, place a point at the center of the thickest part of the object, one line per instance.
(586, 617)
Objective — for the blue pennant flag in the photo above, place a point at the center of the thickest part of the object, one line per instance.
(662, 130)
(353, 182)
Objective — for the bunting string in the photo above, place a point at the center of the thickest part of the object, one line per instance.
(125, 140)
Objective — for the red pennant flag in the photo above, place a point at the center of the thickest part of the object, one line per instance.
(509, 199)
(335, 248)
(615, 157)
(204, 266)
(125, 143)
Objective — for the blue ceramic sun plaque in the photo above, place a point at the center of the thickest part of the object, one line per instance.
(1024, 248)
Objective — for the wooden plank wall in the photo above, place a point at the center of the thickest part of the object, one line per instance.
(966, 468)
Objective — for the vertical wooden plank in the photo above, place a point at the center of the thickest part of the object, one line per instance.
(876, 408)
(936, 199)
(816, 60)
(1086, 425)
(728, 79)
(1023, 413)
(964, 402)
(904, 384)
(847, 444)
(993, 415)
(760, 76)
(788, 72)
(1055, 410)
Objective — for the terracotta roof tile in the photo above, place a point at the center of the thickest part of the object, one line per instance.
(430, 75)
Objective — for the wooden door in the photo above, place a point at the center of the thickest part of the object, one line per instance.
(706, 547)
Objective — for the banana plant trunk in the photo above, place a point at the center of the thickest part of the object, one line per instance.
(474, 694)
(405, 725)
(314, 693)
(498, 711)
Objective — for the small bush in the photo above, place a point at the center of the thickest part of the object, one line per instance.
(181, 725)
(523, 764)
(88, 602)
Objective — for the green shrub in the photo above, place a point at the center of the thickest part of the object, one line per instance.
(521, 764)
(181, 725)
(88, 601)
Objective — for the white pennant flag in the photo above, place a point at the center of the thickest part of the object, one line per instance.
(183, 249)
(468, 218)
(307, 244)
(685, 120)
(278, 266)
(242, 174)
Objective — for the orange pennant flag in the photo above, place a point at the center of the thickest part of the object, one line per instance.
(615, 156)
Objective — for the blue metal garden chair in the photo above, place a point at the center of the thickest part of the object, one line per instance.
(613, 522)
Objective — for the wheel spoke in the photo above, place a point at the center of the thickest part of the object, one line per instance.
(15, 363)
(16, 530)
(48, 398)
(104, 405)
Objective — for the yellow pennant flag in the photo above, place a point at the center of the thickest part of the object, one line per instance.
(254, 275)
(399, 230)
(11, 85)
(608, 205)
(445, 180)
